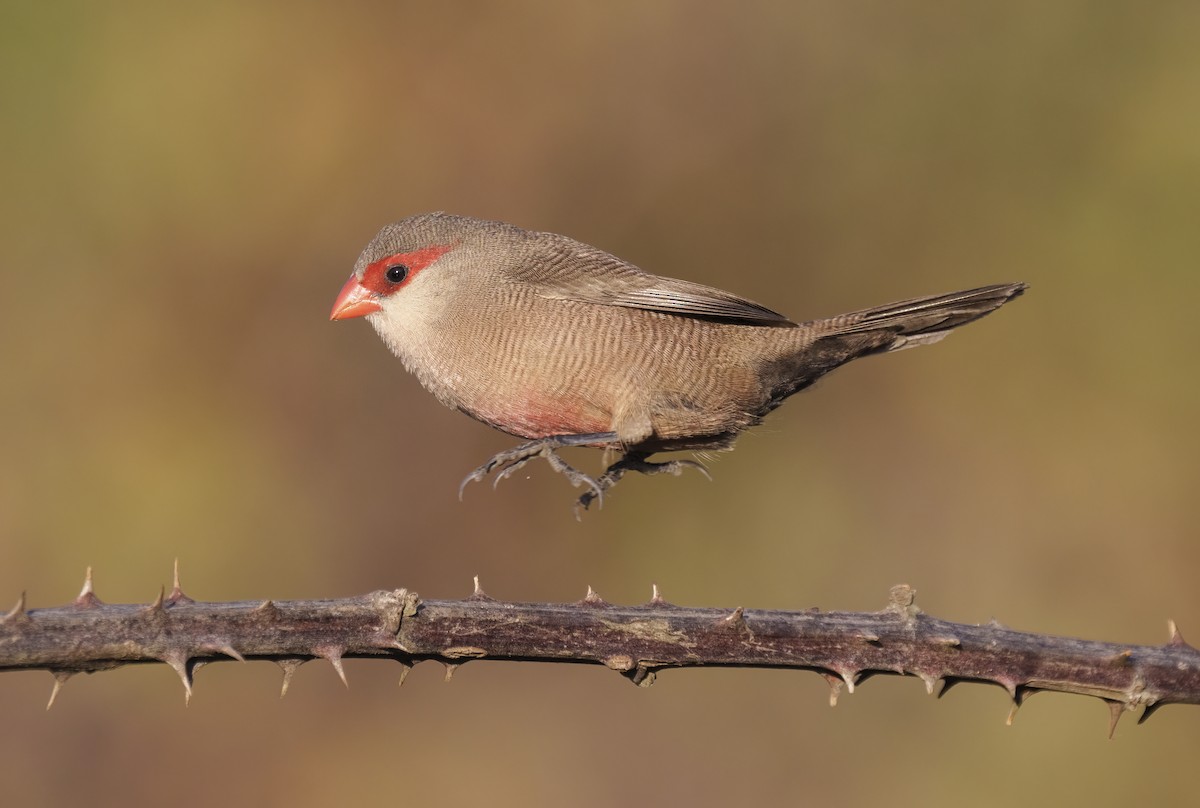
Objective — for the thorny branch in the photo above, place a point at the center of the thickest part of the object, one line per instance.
(637, 641)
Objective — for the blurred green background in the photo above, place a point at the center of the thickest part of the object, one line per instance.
(187, 186)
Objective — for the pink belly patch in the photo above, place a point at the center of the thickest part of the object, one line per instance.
(542, 417)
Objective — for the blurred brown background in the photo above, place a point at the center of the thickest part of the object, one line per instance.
(186, 188)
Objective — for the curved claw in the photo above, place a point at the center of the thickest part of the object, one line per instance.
(506, 463)
(474, 477)
(676, 467)
(635, 461)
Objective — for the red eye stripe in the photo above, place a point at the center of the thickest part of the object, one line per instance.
(375, 275)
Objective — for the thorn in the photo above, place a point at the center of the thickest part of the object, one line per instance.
(849, 677)
(656, 598)
(868, 637)
(267, 607)
(87, 596)
(60, 679)
(288, 666)
(231, 652)
(864, 675)
(451, 667)
(16, 614)
(1011, 686)
(479, 594)
(930, 682)
(341, 671)
(178, 660)
(947, 683)
(177, 595)
(593, 599)
(947, 641)
(334, 655)
(157, 605)
(1176, 637)
(1018, 703)
(737, 619)
(835, 687)
(405, 669)
(1121, 659)
(1149, 710)
(1115, 709)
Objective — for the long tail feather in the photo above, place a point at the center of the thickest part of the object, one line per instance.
(926, 319)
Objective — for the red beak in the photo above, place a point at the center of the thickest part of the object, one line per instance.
(355, 300)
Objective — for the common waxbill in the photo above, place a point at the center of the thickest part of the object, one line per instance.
(560, 343)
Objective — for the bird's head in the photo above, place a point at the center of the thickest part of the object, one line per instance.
(417, 265)
(393, 262)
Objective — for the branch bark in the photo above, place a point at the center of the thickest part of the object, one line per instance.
(637, 641)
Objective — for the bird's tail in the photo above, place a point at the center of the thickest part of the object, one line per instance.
(924, 320)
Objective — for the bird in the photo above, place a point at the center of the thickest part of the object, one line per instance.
(562, 344)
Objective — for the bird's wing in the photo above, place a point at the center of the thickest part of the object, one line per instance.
(585, 274)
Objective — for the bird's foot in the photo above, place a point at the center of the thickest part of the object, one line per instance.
(506, 463)
(634, 461)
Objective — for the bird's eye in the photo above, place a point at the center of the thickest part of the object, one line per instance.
(396, 273)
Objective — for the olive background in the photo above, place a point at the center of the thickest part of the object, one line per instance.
(187, 186)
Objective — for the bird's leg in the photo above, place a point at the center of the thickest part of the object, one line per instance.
(635, 461)
(507, 462)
